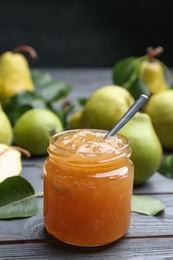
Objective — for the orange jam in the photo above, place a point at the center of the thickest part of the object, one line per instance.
(88, 183)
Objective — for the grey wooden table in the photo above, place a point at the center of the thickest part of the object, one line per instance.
(148, 237)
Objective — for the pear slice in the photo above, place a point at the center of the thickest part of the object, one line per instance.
(10, 162)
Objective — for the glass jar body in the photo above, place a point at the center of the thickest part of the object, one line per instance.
(87, 201)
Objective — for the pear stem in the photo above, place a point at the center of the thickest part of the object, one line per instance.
(25, 152)
(32, 52)
(22, 150)
(153, 53)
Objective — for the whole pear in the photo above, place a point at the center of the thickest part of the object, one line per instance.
(153, 75)
(6, 132)
(14, 75)
(105, 107)
(33, 129)
(74, 121)
(160, 108)
(146, 147)
(151, 71)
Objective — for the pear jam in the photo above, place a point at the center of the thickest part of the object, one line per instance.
(88, 182)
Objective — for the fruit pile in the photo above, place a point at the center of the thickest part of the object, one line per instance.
(27, 115)
(28, 118)
(150, 131)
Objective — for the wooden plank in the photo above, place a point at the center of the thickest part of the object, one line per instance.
(160, 225)
(35, 176)
(141, 225)
(131, 249)
(156, 184)
(34, 161)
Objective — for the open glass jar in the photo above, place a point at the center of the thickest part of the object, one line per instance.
(88, 185)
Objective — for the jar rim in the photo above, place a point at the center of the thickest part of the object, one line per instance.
(55, 136)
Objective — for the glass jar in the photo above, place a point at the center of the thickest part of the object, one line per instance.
(87, 193)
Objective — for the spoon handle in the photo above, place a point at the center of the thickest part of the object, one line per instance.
(128, 115)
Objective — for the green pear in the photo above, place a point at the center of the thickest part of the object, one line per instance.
(75, 120)
(160, 108)
(151, 71)
(152, 74)
(6, 132)
(146, 147)
(15, 74)
(105, 107)
(32, 130)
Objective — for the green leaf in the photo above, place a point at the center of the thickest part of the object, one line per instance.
(21, 102)
(122, 70)
(17, 198)
(55, 90)
(40, 78)
(51, 89)
(125, 70)
(82, 101)
(138, 87)
(146, 205)
(22, 98)
(166, 167)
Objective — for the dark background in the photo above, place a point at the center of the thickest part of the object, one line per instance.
(86, 33)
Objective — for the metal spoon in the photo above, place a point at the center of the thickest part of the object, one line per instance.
(128, 115)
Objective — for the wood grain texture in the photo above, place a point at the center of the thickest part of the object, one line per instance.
(138, 249)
